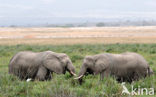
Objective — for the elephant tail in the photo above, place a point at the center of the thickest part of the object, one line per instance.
(10, 68)
(148, 71)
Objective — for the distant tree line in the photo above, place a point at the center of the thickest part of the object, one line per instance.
(98, 24)
(107, 24)
(127, 23)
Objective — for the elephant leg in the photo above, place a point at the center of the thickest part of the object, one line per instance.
(41, 74)
(48, 75)
(104, 74)
(135, 77)
(101, 75)
(22, 73)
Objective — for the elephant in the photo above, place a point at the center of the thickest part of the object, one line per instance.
(127, 66)
(40, 65)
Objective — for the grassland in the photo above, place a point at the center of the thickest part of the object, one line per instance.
(77, 43)
(70, 36)
(66, 86)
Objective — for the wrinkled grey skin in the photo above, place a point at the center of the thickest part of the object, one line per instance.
(124, 67)
(39, 65)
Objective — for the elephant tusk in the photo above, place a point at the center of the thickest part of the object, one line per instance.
(72, 73)
(79, 77)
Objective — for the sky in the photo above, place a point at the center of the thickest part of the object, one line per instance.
(42, 11)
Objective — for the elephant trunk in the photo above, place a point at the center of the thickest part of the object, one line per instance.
(71, 68)
(81, 73)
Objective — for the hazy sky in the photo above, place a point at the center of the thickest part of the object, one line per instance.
(28, 9)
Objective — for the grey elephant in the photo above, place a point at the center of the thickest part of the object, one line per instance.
(127, 66)
(40, 65)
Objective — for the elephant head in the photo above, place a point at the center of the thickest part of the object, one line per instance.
(93, 65)
(88, 67)
(66, 62)
(59, 63)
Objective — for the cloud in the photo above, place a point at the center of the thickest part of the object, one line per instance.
(1, 16)
(100, 14)
(151, 3)
(48, 1)
(11, 6)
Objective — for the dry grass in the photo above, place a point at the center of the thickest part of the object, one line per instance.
(59, 36)
(79, 41)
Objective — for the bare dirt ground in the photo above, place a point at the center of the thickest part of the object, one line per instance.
(90, 35)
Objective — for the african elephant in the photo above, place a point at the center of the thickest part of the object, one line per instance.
(127, 66)
(40, 65)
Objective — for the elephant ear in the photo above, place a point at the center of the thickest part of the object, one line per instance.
(63, 58)
(101, 64)
(52, 63)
